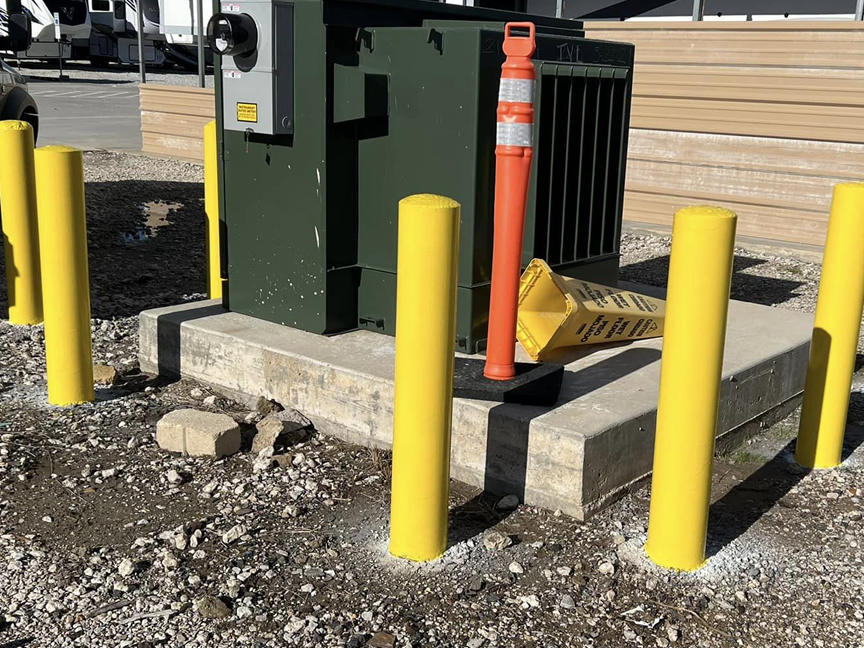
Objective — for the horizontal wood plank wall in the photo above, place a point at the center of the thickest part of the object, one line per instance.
(173, 119)
(762, 117)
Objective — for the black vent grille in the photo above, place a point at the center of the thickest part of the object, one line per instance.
(583, 115)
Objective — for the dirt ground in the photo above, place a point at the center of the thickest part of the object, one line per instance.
(105, 540)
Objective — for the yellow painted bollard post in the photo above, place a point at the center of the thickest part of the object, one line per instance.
(20, 229)
(65, 275)
(697, 302)
(211, 207)
(427, 274)
(835, 333)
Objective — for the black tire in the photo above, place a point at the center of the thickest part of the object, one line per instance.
(20, 105)
(100, 61)
(31, 116)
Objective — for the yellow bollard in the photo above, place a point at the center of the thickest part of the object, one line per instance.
(700, 272)
(835, 333)
(211, 207)
(20, 229)
(65, 276)
(427, 274)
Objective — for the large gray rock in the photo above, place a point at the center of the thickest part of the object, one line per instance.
(199, 434)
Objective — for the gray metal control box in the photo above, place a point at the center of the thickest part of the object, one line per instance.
(258, 85)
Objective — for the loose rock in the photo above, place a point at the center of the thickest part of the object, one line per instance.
(496, 541)
(507, 503)
(200, 434)
(104, 374)
(234, 534)
(174, 477)
(264, 460)
(265, 406)
(531, 600)
(356, 641)
(287, 427)
(126, 568)
(381, 640)
(211, 607)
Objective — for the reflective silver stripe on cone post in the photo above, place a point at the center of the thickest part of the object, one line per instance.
(515, 134)
(516, 91)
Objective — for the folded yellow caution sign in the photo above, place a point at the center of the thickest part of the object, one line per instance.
(556, 311)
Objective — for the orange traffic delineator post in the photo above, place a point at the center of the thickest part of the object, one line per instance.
(513, 152)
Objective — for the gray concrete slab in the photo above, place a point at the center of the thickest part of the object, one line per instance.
(576, 456)
(88, 115)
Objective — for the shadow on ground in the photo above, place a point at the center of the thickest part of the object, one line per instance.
(768, 291)
(746, 502)
(146, 243)
(474, 517)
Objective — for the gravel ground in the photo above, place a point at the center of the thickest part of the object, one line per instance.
(115, 73)
(105, 540)
(783, 280)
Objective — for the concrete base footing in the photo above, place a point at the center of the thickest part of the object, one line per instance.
(575, 456)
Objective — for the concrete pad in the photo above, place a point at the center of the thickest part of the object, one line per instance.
(576, 456)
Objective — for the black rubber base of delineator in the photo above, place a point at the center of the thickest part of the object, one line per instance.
(534, 384)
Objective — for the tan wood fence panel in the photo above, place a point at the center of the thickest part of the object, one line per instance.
(781, 43)
(762, 117)
(173, 119)
(783, 188)
(758, 221)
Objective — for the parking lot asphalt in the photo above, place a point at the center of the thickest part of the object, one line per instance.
(88, 114)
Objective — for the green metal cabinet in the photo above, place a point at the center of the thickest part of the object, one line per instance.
(397, 98)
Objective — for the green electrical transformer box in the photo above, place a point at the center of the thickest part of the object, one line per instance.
(331, 111)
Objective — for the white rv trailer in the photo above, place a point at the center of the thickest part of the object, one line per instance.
(180, 25)
(14, 28)
(114, 37)
(74, 26)
(4, 21)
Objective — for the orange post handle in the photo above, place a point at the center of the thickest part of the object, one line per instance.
(513, 153)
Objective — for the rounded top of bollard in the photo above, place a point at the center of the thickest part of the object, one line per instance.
(14, 125)
(706, 212)
(59, 150)
(430, 200)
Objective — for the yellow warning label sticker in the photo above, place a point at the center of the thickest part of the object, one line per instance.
(247, 112)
